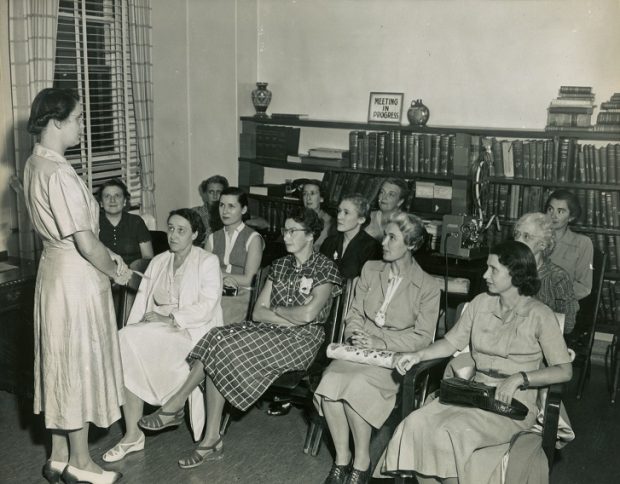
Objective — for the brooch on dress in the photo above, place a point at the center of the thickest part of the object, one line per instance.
(305, 285)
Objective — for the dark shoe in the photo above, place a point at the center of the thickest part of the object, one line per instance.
(52, 471)
(278, 408)
(338, 474)
(358, 477)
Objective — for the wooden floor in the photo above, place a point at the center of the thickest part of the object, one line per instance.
(261, 449)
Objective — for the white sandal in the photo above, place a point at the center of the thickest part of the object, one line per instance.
(119, 451)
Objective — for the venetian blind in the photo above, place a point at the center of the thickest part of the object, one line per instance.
(92, 57)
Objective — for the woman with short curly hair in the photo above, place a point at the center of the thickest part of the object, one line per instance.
(177, 303)
(509, 334)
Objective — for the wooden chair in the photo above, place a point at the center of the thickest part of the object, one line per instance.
(583, 339)
(414, 388)
(298, 386)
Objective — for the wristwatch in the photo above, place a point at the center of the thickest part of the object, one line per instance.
(526, 381)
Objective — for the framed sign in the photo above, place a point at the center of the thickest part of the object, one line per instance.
(385, 107)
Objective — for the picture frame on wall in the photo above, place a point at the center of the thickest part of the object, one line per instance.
(385, 107)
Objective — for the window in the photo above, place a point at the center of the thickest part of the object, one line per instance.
(92, 57)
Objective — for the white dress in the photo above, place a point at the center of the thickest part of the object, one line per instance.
(153, 354)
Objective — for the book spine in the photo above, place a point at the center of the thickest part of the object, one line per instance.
(353, 149)
(398, 164)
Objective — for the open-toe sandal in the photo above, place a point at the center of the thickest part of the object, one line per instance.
(201, 454)
(159, 420)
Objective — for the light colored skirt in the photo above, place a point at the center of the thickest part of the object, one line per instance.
(235, 308)
(154, 365)
(77, 365)
(369, 390)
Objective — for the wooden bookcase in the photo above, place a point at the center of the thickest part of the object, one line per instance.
(252, 172)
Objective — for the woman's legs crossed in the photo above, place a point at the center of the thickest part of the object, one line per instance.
(362, 432)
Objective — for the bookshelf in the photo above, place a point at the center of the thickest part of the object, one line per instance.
(580, 158)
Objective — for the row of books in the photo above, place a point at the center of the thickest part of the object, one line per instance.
(564, 160)
(509, 202)
(402, 152)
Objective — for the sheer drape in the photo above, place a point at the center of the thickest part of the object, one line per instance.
(32, 32)
(142, 83)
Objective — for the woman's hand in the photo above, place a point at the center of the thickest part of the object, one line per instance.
(507, 388)
(230, 282)
(404, 361)
(121, 267)
(123, 278)
(364, 340)
(153, 317)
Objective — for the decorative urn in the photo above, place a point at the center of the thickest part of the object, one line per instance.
(261, 97)
(418, 113)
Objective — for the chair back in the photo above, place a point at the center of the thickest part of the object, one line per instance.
(258, 282)
(348, 294)
(159, 238)
(587, 316)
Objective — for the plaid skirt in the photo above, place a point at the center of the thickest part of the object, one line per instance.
(243, 359)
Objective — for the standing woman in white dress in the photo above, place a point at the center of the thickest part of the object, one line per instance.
(177, 303)
(77, 366)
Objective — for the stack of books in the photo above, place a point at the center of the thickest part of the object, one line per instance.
(608, 119)
(334, 157)
(571, 109)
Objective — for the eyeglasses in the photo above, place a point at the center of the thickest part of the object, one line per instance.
(290, 232)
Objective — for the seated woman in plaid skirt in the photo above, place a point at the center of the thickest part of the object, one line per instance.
(238, 362)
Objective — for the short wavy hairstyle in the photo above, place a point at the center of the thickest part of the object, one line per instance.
(412, 228)
(195, 222)
(312, 223)
(571, 200)
(114, 182)
(519, 260)
(219, 179)
(242, 197)
(401, 184)
(543, 224)
(51, 103)
(361, 204)
(314, 182)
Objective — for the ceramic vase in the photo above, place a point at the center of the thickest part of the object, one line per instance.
(261, 97)
(418, 113)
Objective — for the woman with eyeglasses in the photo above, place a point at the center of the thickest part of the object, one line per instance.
(237, 363)
(572, 252)
(535, 230)
(395, 308)
(392, 195)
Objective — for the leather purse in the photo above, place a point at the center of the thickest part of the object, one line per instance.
(468, 393)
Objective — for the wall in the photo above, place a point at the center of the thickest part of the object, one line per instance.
(477, 62)
(204, 54)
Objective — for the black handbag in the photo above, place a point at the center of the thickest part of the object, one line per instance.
(467, 393)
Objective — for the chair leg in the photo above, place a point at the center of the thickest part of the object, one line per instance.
(582, 378)
(616, 370)
(313, 438)
(225, 422)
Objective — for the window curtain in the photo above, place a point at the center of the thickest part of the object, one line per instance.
(142, 83)
(32, 34)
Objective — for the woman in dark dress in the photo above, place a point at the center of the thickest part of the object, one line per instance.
(238, 362)
(351, 247)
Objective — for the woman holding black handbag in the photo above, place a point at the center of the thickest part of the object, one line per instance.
(509, 333)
